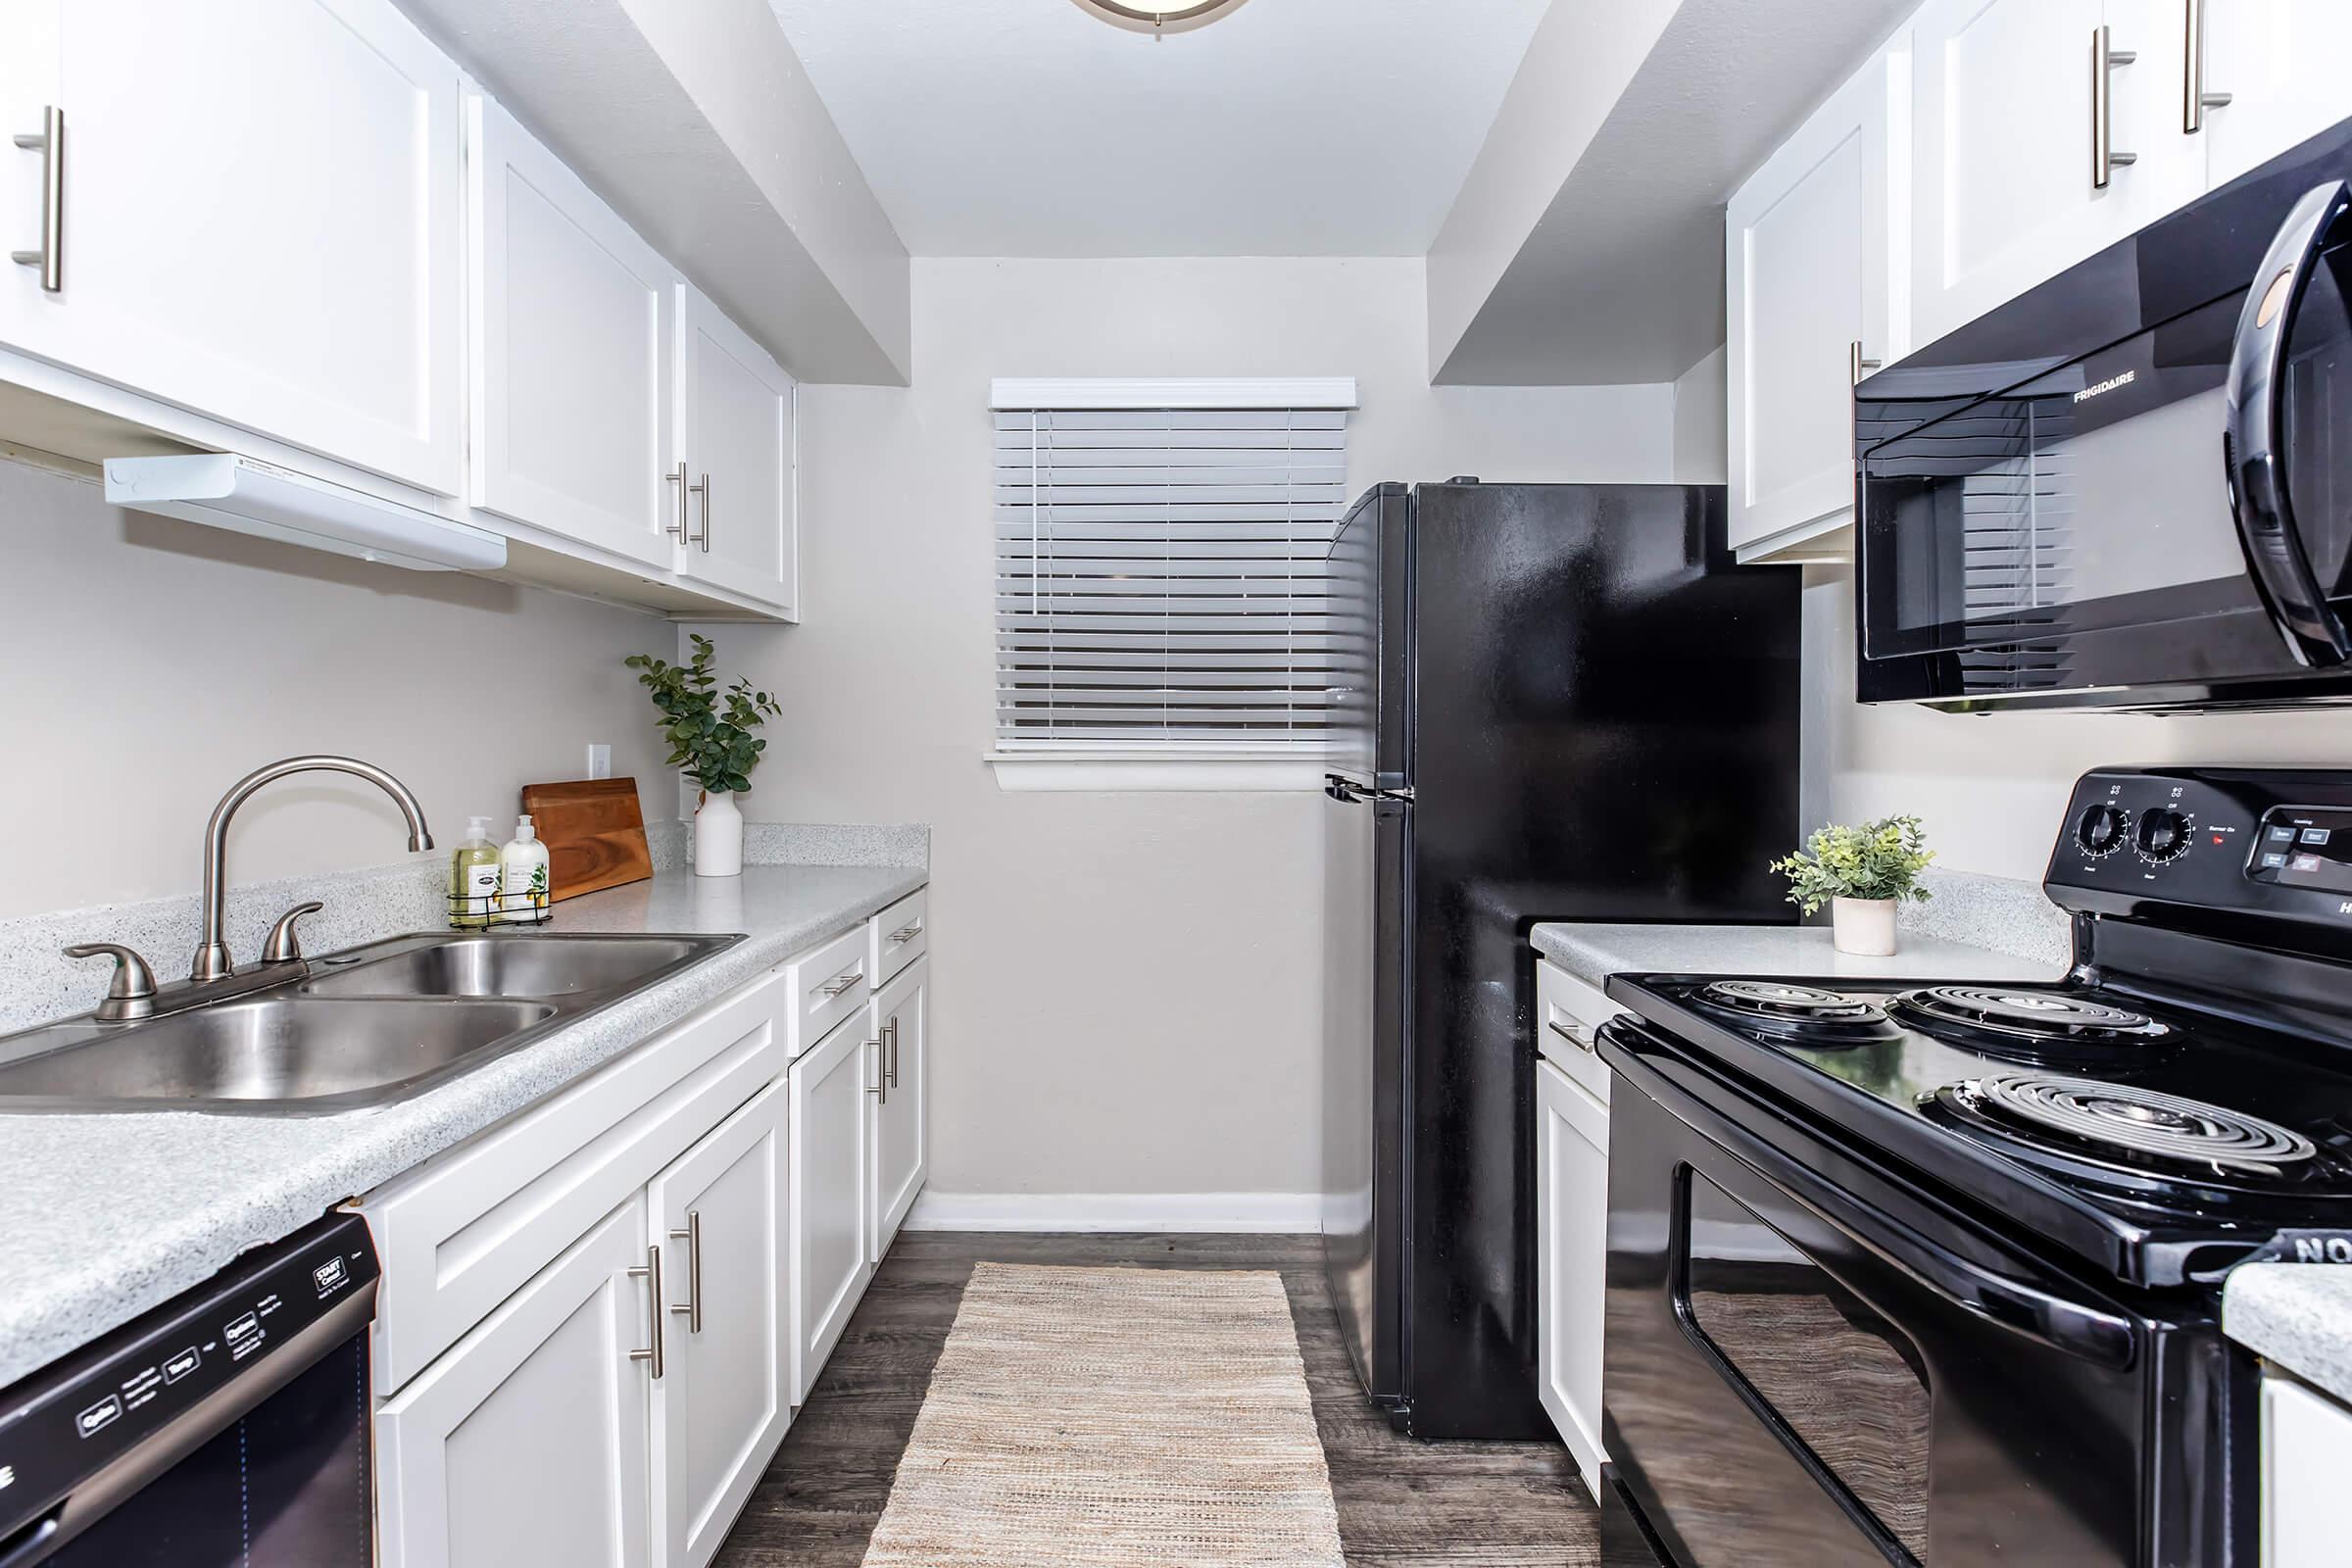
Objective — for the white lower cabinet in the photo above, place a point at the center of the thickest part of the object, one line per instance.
(527, 1442)
(724, 1397)
(2306, 1454)
(1572, 1215)
(597, 1319)
(901, 1109)
(832, 1192)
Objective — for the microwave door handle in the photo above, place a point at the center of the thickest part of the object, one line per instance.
(2253, 444)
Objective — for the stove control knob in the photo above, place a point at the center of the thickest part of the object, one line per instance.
(2102, 830)
(2164, 834)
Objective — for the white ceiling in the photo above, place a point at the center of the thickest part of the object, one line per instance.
(1291, 127)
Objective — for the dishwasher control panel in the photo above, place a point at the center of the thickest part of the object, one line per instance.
(206, 1357)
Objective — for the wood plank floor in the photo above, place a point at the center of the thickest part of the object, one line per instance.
(1401, 1503)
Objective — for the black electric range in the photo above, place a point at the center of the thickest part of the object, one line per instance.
(1928, 1272)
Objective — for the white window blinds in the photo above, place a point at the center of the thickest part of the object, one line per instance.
(1161, 575)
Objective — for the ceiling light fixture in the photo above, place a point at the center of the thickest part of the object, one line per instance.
(1160, 17)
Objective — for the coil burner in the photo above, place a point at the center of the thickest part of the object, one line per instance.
(2123, 1119)
(1796, 1011)
(2037, 1025)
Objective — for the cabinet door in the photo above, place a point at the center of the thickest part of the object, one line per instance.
(572, 321)
(2004, 192)
(901, 1134)
(261, 218)
(2306, 1453)
(830, 1189)
(2281, 64)
(1809, 249)
(736, 442)
(1572, 1216)
(725, 1394)
(526, 1442)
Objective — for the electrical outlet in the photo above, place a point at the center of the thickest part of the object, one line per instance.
(600, 759)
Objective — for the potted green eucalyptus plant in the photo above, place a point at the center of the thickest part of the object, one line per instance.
(1862, 874)
(711, 741)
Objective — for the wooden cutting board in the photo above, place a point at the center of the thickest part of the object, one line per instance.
(594, 833)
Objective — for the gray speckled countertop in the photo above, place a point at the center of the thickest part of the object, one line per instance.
(2298, 1315)
(1593, 953)
(1975, 927)
(106, 1216)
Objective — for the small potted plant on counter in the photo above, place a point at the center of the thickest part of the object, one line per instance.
(1862, 874)
(710, 740)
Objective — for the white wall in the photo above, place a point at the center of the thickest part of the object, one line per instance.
(1701, 433)
(153, 663)
(1994, 787)
(1127, 985)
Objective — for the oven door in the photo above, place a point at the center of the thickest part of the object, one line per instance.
(2164, 521)
(1812, 1364)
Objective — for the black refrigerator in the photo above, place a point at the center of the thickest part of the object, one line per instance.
(1551, 702)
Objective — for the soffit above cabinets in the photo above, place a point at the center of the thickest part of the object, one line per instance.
(1290, 127)
(700, 127)
(1587, 243)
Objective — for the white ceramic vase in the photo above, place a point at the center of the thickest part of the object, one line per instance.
(718, 836)
(1864, 928)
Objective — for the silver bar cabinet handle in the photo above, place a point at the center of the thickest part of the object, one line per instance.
(2104, 58)
(677, 530)
(905, 934)
(834, 988)
(880, 1087)
(650, 1273)
(50, 143)
(703, 490)
(2195, 99)
(692, 1236)
(890, 1044)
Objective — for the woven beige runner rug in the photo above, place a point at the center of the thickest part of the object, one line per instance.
(1113, 1416)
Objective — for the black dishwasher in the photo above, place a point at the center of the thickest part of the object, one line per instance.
(225, 1429)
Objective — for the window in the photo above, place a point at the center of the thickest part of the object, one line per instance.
(1162, 599)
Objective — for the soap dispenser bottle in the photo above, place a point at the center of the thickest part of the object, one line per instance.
(523, 877)
(474, 877)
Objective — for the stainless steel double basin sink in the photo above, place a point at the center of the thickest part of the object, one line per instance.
(354, 1029)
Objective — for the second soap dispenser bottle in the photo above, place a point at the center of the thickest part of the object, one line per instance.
(523, 889)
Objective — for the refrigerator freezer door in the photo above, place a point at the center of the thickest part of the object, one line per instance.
(1369, 621)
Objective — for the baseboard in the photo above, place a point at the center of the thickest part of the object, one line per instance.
(1274, 1213)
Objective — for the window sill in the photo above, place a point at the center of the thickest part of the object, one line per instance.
(1114, 773)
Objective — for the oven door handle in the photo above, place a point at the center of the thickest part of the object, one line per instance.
(2064, 1325)
(2253, 444)
(2053, 1320)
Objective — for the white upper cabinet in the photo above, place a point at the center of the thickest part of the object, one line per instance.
(573, 318)
(2028, 155)
(735, 444)
(1815, 243)
(261, 218)
(2281, 65)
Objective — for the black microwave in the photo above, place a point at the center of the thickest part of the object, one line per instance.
(2132, 486)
